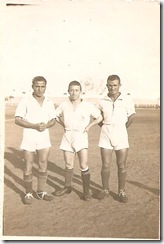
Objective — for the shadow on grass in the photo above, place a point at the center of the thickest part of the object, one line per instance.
(16, 158)
(12, 186)
(140, 185)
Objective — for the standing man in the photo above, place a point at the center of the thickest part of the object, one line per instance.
(36, 114)
(118, 114)
(74, 115)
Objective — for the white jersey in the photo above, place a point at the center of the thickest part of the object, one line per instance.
(30, 110)
(116, 112)
(77, 119)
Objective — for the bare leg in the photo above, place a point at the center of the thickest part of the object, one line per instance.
(121, 156)
(42, 171)
(29, 159)
(69, 170)
(42, 174)
(106, 156)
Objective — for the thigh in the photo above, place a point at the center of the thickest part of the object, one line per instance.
(122, 135)
(105, 140)
(43, 140)
(66, 143)
(83, 158)
(42, 158)
(80, 141)
(121, 156)
(69, 159)
(106, 156)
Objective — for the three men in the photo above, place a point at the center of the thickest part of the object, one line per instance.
(37, 113)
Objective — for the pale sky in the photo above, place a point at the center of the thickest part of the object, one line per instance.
(81, 40)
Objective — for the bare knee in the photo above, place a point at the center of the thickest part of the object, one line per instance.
(42, 165)
(122, 167)
(29, 160)
(28, 167)
(105, 166)
(106, 156)
(84, 166)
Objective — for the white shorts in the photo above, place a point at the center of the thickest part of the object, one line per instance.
(74, 141)
(114, 137)
(34, 140)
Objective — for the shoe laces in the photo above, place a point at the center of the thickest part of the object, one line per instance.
(41, 194)
(105, 191)
(29, 195)
(122, 193)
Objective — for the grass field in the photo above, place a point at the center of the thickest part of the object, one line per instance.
(69, 216)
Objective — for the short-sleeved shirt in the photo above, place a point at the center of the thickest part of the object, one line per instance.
(79, 118)
(117, 112)
(30, 110)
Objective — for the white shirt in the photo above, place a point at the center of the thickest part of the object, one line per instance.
(79, 118)
(30, 110)
(118, 111)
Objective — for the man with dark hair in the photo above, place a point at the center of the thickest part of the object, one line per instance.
(118, 112)
(36, 114)
(74, 115)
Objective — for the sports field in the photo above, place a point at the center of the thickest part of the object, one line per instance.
(70, 217)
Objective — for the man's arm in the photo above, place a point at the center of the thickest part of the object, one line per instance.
(60, 121)
(130, 120)
(50, 123)
(94, 122)
(101, 122)
(23, 123)
(39, 126)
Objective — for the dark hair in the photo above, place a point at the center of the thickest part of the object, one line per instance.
(74, 83)
(114, 77)
(39, 78)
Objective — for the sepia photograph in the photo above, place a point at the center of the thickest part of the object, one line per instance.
(80, 120)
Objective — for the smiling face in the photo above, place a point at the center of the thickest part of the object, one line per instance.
(39, 88)
(113, 87)
(74, 92)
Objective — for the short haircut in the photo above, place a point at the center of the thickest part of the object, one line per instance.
(74, 83)
(39, 78)
(114, 77)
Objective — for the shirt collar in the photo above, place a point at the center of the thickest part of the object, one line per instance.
(45, 98)
(120, 97)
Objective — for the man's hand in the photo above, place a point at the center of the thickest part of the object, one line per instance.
(40, 127)
(86, 129)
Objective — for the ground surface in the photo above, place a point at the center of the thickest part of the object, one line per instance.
(70, 216)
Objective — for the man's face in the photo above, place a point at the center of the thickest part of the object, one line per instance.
(39, 88)
(113, 87)
(74, 92)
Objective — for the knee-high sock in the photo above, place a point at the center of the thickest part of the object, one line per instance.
(68, 176)
(42, 179)
(28, 183)
(85, 175)
(105, 179)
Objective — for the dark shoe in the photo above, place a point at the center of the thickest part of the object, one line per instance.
(103, 194)
(65, 190)
(87, 196)
(28, 198)
(122, 197)
(44, 196)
